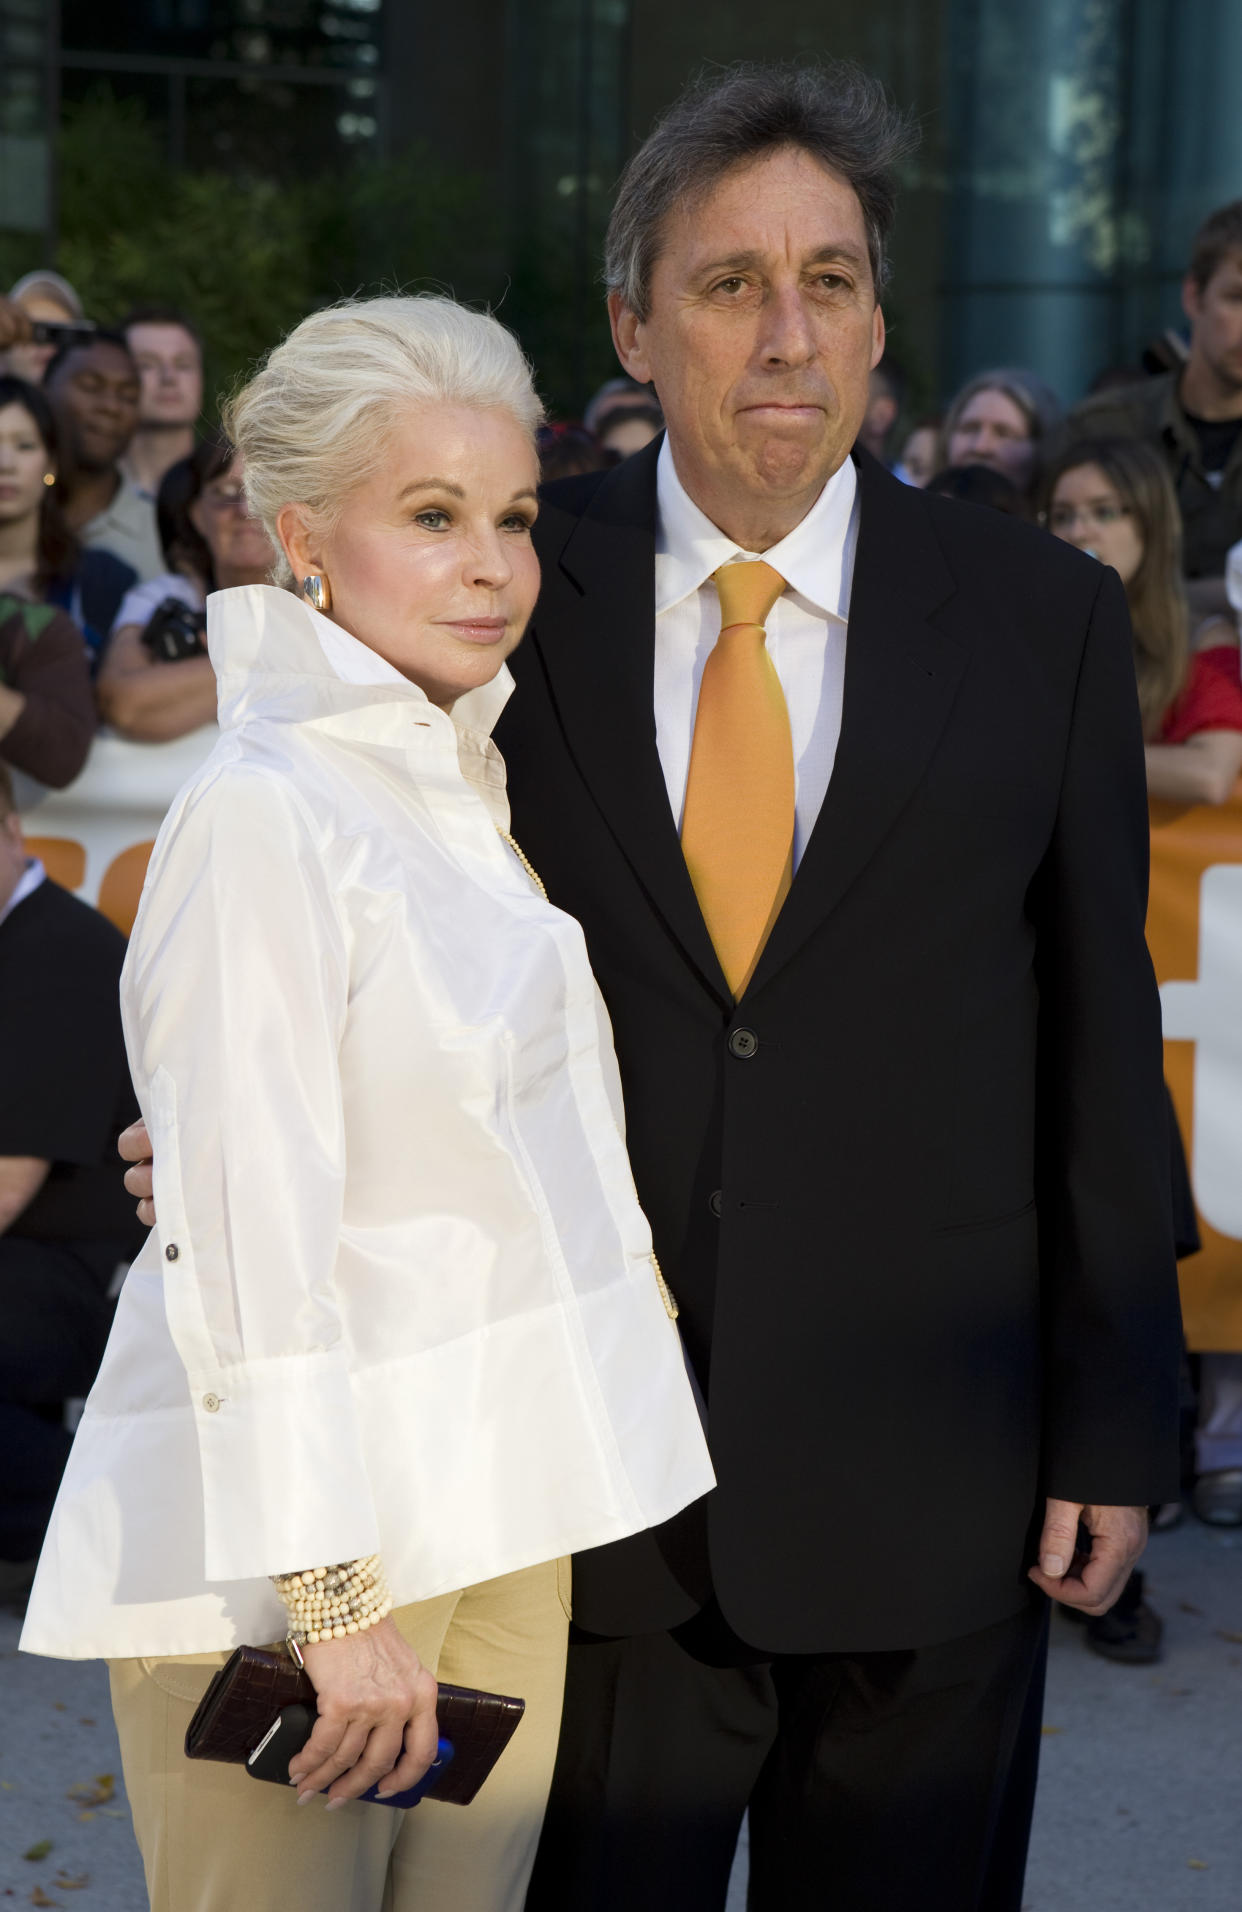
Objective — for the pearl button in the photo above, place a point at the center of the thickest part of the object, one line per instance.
(212, 1403)
(171, 1252)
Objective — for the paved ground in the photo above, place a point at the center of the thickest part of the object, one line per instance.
(1140, 1806)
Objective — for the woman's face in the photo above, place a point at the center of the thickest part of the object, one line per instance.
(1088, 510)
(240, 552)
(23, 464)
(918, 455)
(993, 430)
(431, 562)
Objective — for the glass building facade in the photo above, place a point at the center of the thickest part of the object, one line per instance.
(1070, 147)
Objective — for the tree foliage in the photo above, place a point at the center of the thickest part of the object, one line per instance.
(246, 256)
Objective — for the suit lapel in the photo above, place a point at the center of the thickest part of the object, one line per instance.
(901, 677)
(600, 661)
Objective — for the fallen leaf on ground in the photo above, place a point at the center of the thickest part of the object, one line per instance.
(39, 1897)
(1197, 1865)
(94, 1792)
(1048, 1731)
(59, 1706)
(71, 1882)
(1188, 1606)
(84, 1816)
(86, 1722)
(38, 1851)
(1223, 1633)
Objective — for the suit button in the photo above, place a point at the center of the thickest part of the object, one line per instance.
(743, 1043)
(171, 1252)
(715, 1202)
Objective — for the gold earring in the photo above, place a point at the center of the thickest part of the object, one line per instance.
(49, 477)
(317, 591)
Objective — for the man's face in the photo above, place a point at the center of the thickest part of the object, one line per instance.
(762, 332)
(171, 368)
(95, 393)
(1215, 314)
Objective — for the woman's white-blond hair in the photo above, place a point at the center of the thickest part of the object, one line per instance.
(311, 423)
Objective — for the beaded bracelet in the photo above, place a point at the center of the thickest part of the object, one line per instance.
(327, 1603)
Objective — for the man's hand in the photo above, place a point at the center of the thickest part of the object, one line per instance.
(135, 1146)
(1091, 1582)
(14, 325)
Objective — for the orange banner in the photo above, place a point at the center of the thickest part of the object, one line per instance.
(1194, 932)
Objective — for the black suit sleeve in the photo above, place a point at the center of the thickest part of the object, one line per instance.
(1109, 1282)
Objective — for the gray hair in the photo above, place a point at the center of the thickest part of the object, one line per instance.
(1034, 398)
(834, 111)
(51, 282)
(312, 422)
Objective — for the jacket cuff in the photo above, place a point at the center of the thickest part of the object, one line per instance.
(283, 1472)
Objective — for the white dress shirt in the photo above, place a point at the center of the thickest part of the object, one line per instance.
(805, 628)
(27, 883)
(400, 1295)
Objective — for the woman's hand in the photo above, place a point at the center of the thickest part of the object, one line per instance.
(377, 1716)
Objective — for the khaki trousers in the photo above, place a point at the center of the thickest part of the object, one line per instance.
(215, 1840)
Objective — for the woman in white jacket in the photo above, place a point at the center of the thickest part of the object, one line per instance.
(400, 1312)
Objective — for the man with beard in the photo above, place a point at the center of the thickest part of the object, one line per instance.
(1194, 416)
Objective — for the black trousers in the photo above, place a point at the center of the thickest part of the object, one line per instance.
(876, 1782)
(54, 1322)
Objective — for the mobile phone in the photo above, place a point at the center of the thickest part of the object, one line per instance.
(289, 1732)
(62, 331)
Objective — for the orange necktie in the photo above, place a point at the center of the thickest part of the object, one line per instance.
(738, 828)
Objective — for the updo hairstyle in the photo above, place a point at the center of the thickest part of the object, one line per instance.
(312, 424)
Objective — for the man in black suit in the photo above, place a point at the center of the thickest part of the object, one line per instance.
(906, 1164)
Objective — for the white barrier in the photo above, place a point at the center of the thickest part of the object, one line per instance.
(117, 802)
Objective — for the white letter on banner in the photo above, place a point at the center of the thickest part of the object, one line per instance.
(1209, 1014)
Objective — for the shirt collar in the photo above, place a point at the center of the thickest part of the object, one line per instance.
(816, 559)
(257, 638)
(27, 883)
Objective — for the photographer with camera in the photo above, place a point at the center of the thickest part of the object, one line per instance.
(42, 311)
(210, 542)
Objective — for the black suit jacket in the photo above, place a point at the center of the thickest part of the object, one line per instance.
(912, 1191)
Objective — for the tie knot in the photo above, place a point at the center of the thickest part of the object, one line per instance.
(747, 592)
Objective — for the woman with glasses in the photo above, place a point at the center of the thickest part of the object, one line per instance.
(1113, 497)
(211, 543)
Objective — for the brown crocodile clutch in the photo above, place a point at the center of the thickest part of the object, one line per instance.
(255, 1684)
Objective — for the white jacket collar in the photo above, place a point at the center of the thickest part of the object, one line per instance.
(277, 658)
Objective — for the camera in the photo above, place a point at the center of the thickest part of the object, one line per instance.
(175, 631)
(60, 332)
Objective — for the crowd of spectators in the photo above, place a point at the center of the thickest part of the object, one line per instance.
(120, 512)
